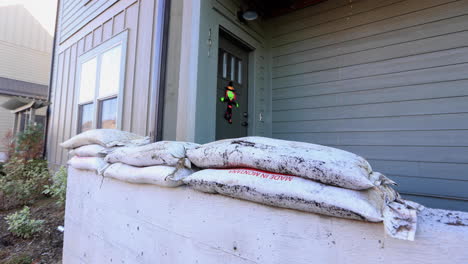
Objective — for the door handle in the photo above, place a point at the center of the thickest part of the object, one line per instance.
(244, 124)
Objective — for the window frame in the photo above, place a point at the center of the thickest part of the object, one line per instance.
(80, 115)
(97, 52)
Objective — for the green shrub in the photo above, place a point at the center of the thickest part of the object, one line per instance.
(24, 175)
(20, 259)
(58, 189)
(9, 143)
(24, 179)
(2, 170)
(21, 224)
(30, 142)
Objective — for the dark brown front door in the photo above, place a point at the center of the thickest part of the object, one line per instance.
(232, 66)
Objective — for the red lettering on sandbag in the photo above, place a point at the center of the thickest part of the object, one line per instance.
(262, 174)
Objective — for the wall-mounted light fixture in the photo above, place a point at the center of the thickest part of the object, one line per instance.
(247, 15)
(250, 14)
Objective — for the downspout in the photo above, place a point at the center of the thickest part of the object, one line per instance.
(51, 78)
(159, 63)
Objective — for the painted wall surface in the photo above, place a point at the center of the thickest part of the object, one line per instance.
(171, 93)
(76, 14)
(386, 79)
(7, 121)
(25, 46)
(109, 221)
(138, 18)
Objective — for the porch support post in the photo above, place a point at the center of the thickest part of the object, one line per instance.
(187, 97)
(15, 125)
(32, 115)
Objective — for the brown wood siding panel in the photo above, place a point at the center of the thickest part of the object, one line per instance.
(143, 67)
(97, 36)
(384, 79)
(56, 107)
(70, 117)
(77, 16)
(81, 47)
(62, 123)
(69, 6)
(119, 22)
(125, 15)
(88, 42)
(107, 29)
(132, 23)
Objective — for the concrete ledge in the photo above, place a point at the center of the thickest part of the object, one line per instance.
(109, 221)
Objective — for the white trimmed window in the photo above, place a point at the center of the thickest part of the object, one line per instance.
(100, 85)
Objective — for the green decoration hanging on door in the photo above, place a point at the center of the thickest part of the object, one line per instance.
(229, 97)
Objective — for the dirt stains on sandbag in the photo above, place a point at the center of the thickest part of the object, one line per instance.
(374, 205)
(324, 164)
(244, 143)
(106, 138)
(457, 223)
(170, 153)
(455, 220)
(278, 200)
(267, 188)
(164, 176)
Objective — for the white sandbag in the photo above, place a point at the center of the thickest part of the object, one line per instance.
(164, 176)
(171, 153)
(93, 150)
(324, 164)
(400, 219)
(106, 138)
(305, 195)
(88, 163)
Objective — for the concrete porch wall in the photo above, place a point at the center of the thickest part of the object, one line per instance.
(109, 221)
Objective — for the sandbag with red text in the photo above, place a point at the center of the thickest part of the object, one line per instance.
(324, 164)
(305, 195)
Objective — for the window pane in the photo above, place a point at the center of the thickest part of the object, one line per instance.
(233, 68)
(109, 80)
(224, 65)
(239, 71)
(86, 117)
(108, 113)
(88, 80)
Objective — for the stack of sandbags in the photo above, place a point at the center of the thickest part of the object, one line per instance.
(162, 163)
(89, 148)
(107, 138)
(304, 177)
(128, 157)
